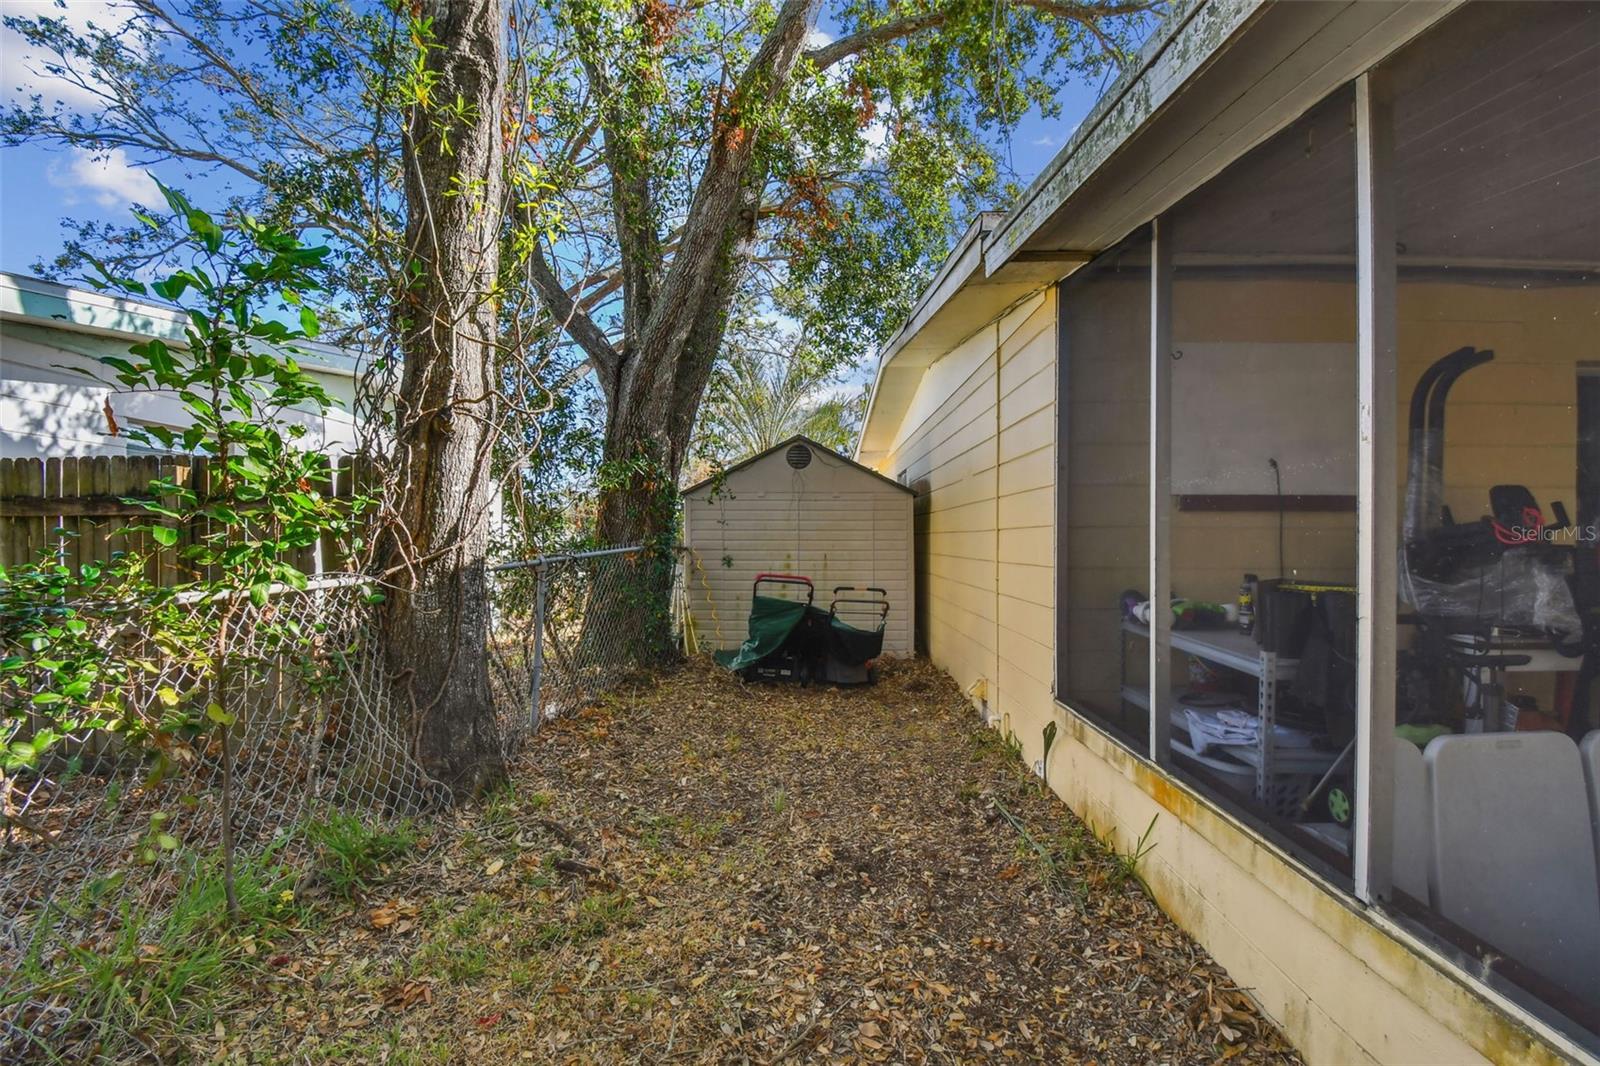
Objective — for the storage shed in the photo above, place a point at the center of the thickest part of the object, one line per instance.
(797, 508)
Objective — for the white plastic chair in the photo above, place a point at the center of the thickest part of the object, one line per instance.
(1513, 850)
(1411, 821)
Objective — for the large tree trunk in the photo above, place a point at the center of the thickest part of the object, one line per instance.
(649, 425)
(674, 320)
(436, 623)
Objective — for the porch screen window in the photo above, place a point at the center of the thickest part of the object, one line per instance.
(1496, 176)
(1262, 437)
(1103, 486)
(1418, 254)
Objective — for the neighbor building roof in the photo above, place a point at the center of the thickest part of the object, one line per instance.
(52, 305)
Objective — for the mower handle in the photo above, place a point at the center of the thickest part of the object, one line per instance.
(881, 606)
(786, 579)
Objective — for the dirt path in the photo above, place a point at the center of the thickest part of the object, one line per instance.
(702, 871)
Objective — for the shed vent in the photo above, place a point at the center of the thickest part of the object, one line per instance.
(799, 456)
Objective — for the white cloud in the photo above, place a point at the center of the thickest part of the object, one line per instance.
(108, 179)
(1047, 141)
(817, 38)
(23, 72)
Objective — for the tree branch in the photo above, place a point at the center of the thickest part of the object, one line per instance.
(573, 320)
(633, 202)
(862, 40)
(1087, 15)
(720, 196)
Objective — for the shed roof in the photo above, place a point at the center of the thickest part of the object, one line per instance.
(798, 438)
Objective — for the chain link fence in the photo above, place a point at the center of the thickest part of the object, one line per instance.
(111, 853)
(569, 628)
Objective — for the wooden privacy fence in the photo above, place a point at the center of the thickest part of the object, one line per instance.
(80, 511)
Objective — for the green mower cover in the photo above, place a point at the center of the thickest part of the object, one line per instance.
(852, 645)
(772, 619)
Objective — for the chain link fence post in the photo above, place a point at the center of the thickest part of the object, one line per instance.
(541, 588)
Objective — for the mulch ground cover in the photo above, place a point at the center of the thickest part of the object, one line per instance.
(701, 870)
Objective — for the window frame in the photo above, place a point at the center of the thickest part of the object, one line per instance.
(1377, 538)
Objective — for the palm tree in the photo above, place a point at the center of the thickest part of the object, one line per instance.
(764, 392)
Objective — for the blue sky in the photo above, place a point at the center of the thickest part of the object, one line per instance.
(40, 187)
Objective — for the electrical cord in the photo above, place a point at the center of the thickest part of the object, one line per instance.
(1277, 476)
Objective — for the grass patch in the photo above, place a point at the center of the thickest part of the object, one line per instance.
(989, 743)
(660, 831)
(1125, 865)
(349, 854)
(393, 1046)
(459, 947)
(590, 920)
(163, 973)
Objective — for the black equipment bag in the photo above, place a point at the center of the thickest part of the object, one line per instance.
(1326, 678)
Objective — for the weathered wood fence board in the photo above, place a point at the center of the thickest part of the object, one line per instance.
(80, 509)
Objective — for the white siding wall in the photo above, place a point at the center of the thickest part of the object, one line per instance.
(832, 522)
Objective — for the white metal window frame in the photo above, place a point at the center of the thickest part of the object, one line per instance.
(1377, 533)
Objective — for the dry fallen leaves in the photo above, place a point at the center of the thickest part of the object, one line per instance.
(661, 905)
(407, 994)
(394, 913)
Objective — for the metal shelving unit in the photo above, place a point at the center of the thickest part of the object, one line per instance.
(1236, 651)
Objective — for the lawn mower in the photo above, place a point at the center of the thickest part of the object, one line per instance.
(791, 639)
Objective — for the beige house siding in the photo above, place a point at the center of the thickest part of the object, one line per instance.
(832, 522)
(1345, 983)
(978, 446)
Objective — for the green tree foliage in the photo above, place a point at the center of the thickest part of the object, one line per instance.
(657, 144)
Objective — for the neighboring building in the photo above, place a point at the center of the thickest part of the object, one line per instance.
(50, 334)
(797, 508)
(1190, 354)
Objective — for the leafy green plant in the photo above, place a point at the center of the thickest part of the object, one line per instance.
(102, 647)
(241, 386)
(56, 678)
(1013, 745)
(1126, 864)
